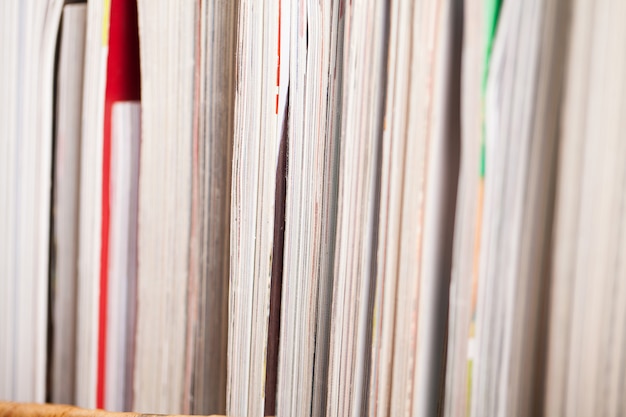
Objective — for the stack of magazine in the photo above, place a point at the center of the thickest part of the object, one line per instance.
(324, 209)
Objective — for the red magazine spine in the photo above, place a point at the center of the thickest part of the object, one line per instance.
(123, 84)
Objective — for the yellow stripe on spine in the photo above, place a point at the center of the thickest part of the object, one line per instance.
(105, 22)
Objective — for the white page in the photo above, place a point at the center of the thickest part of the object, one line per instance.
(122, 274)
(66, 201)
(31, 30)
(94, 84)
